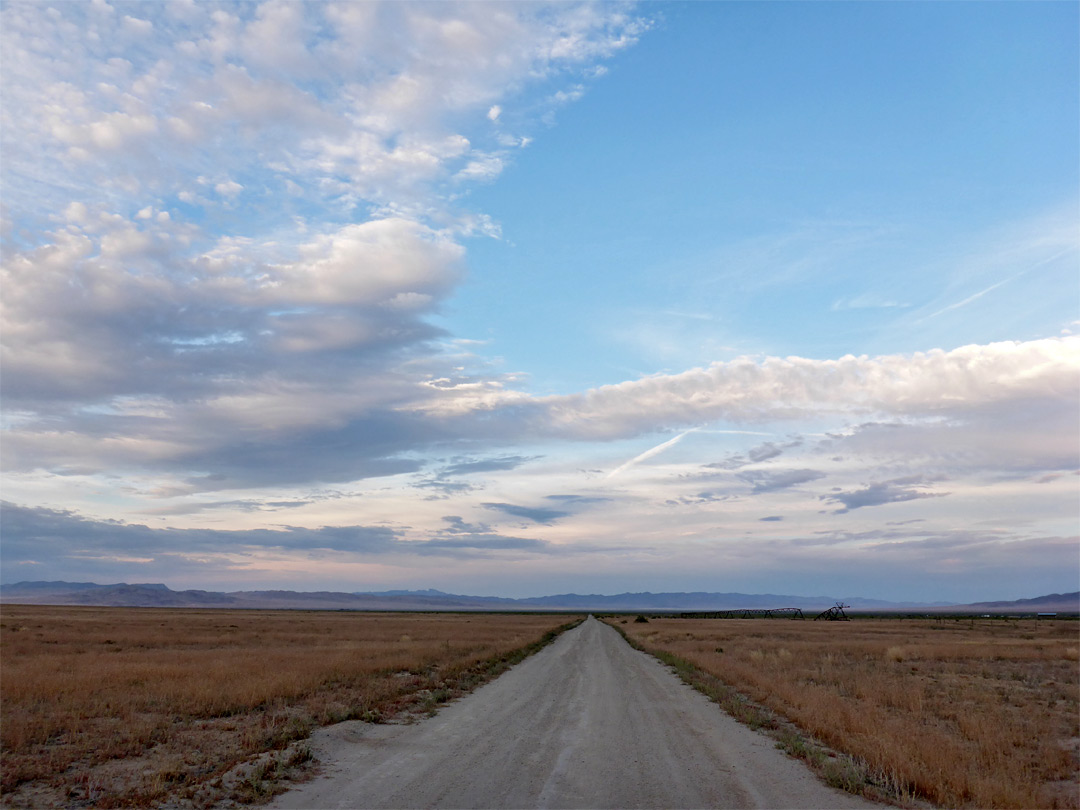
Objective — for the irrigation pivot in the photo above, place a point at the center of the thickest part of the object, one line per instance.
(834, 614)
(747, 613)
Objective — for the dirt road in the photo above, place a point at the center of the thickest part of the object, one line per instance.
(588, 722)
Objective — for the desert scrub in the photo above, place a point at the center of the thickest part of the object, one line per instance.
(972, 714)
(130, 706)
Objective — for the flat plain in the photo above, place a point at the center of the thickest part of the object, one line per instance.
(956, 712)
(113, 707)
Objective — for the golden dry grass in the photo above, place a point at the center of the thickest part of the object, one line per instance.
(128, 706)
(959, 713)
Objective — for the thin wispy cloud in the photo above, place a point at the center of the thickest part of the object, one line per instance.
(650, 453)
(968, 300)
(533, 513)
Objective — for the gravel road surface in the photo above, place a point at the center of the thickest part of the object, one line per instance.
(588, 722)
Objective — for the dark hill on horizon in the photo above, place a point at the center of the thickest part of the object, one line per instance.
(160, 595)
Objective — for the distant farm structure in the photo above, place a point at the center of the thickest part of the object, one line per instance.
(748, 613)
(833, 614)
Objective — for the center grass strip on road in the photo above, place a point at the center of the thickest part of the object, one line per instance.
(133, 707)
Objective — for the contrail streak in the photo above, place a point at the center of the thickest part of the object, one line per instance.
(967, 300)
(652, 451)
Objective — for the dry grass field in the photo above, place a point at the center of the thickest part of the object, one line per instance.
(111, 707)
(969, 714)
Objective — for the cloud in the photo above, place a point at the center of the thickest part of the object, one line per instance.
(869, 300)
(273, 503)
(466, 466)
(482, 167)
(444, 479)
(443, 490)
(130, 331)
(878, 493)
(252, 414)
(480, 542)
(246, 505)
(37, 532)
(228, 188)
(535, 514)
(698, 498)
(295, 352)
(457, 525)
(1020, 438)
(969, 564)
(576, 500)
(350, 96)
(1048, 478)
(771, 481)
(755, 455)
(151, 327)
(938, 551)
(368, 264)
(766, 451)
(457, 535)
(61, 538)
(748, 390)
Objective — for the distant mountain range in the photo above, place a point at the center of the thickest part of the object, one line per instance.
(697, 601)
(158, 595)
(1060, 602)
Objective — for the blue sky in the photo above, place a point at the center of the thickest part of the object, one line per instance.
(837, 154)
(521, 298)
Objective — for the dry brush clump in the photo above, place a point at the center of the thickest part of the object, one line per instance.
(958, 713)
(131, 706)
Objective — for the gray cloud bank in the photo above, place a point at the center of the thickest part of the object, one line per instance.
(51, 536)
(1008, 405)
(893, 559)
